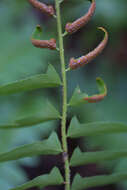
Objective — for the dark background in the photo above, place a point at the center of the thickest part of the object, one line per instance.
(19, 59)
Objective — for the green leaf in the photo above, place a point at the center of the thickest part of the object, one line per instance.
(51, 146)
(53, 178)
(37, 34)
(95, 128)
(88, 182)
(50, 114)
(50, 79)
(80, 158)
(79, 97)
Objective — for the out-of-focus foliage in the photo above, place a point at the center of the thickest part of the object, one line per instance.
(19, 59)
(54, 178)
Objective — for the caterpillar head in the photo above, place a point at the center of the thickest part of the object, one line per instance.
(52, 43)
(73, 63)
(50, 10)
(69, 28)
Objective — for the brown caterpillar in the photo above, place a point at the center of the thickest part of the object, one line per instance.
(83, 60)
(102, 92)
(43, 7)
(79, 23)
(50, 44)
(95, 98)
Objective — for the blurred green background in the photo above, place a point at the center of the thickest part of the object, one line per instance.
(19, 59)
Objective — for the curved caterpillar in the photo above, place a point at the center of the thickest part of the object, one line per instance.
(95, 98)
(102, 92)
(83, 60)
(50, 44)
(48, 9)
(76, 25)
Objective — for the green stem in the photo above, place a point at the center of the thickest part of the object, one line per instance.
(64, 109)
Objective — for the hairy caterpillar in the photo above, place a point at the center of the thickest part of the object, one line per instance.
(50, 44)
(83, 60)
(76, 25)
(43, 7)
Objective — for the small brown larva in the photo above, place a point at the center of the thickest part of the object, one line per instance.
(79, 23)
(50, 44)
(83, 60)
(102, 92)
(95, 98)
(48, 9)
